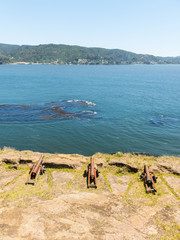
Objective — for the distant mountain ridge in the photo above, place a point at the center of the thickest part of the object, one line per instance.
(61, 54)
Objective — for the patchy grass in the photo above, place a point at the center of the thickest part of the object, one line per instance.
(168, 207)
(104, 174)
(49, 178)
(137, 195)
(170, 230)
(76, 175)
(7, 166)
(107, 159)
(62, 169)
(121, 171)
(23, 167)
(129, 188)
(17, 188)
(170, 188)
(50, 170)
(135, 200)
(7, 149)
(10, 167)
(25, 192)
(118, 154)
(13, 180)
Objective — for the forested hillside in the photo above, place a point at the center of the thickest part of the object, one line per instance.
(65, 54)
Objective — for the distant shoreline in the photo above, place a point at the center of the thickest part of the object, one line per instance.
(53, 64)
(59, 54)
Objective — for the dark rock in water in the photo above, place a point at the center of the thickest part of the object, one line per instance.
(161, 120)
(65, 109)
(58, 111)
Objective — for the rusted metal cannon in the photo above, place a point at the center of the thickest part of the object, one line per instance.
(149, 180)
(35, 170)
(91, 173)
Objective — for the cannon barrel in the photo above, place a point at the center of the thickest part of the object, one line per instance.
(148, 176)
(92, 168)
(37, 166)
(35, 170)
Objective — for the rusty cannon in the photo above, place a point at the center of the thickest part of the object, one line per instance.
(91, 173)
(149, 180)
(35, 170)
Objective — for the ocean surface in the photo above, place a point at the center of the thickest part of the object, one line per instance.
(89, 109)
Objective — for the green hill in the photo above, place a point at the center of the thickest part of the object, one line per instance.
(65, 54)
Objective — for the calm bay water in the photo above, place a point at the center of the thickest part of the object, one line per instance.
(88, 109)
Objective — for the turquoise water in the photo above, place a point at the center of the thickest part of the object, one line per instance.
(88, 109)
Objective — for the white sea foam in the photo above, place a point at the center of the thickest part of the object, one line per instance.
(92, 112)
(73, 100)
(90, 104)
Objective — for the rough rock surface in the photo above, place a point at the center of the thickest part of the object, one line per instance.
(50, 160)
(60, 206)
(168, 164)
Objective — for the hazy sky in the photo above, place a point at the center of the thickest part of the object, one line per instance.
(140, 26)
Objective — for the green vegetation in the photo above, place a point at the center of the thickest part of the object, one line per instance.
(105, 173)
(170, 229)
(65, 54)
(49, 179)
(170, 188)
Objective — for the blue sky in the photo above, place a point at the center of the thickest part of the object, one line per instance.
(140, 26)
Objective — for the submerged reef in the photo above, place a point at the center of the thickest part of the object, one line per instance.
(64, 109)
